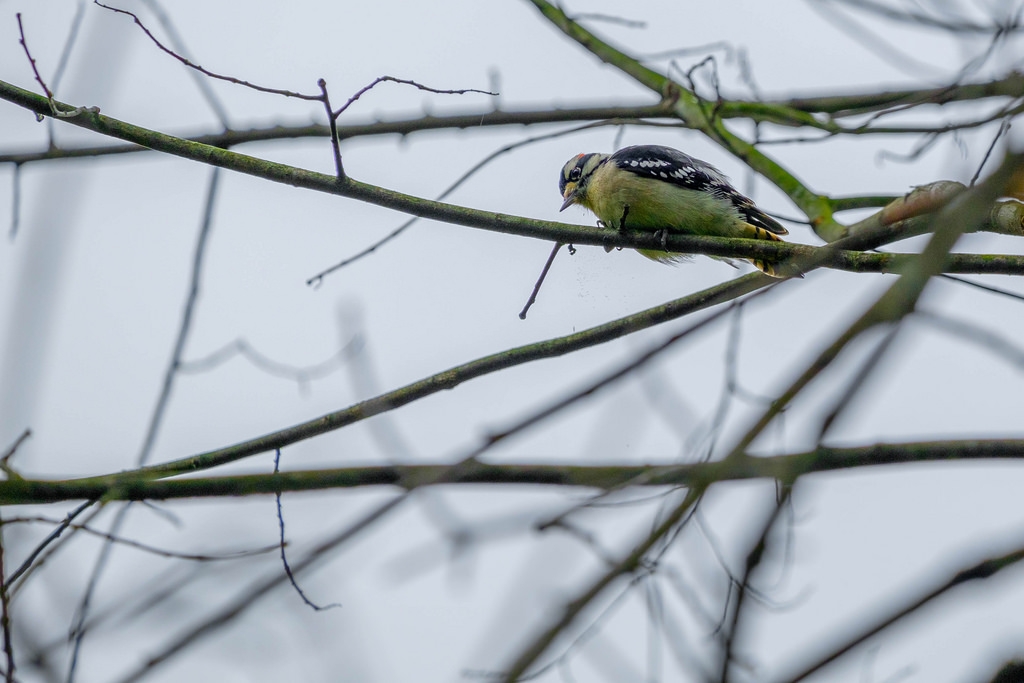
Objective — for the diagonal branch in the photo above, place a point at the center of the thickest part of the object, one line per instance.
(453, 377)
(982, 570)
(341, 186)
(630, 563)
(691, 109)
(546, 230)
(965, 211)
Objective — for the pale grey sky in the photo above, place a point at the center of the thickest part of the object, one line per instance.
(93, 284)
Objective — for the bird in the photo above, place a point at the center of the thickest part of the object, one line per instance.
(660, 189)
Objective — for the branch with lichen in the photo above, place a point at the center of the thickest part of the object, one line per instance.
(854, 104)
(785, 113)
(965, 211)
(910, 215)
(804, 260)
(504, 223)
(139, 485)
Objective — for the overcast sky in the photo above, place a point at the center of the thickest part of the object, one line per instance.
(93, 283)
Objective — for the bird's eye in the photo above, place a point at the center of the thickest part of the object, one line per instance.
(574, 174)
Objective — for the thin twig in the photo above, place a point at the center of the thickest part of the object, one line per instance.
(78, 629)
(32, 61)
(609, 378)
(990, 340)
(15, 202)
(540, 280)
(301, 375)
(284, 557)
(982, 570)
(53, 536)
(754, 558)
(185, 326)
(391, 79)
(156, 419)
(317, 280)
(192, 65)
(609, 18)
(250, 597)
(854, 387)
(1004, 128)
(982, 286)
(630, 563)
(332, 123)
(57, 113)
(5, 614)
(64, 60)
(332, 115)
(919, 19)
(9, 453)
(195, 557)
(179, 46)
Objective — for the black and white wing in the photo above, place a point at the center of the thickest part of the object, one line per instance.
(673, 166)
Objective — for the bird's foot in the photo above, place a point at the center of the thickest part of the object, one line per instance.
(662, 236)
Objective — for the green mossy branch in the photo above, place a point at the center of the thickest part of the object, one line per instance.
(497, 222)
(502, 223)
(1011, 86)
(344, 187)
(451, 378)
(785, 468)
(805, 256)
(779, 112)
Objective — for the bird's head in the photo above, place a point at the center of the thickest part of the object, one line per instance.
(575, 176)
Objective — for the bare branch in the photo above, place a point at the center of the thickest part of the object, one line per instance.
(540, 280)
(53, 536)
(11, 450)
(982, 570)
(58, 113)
(391, 79)
(140, 485)
(145, 547)
(32, 62)
(192, 65)
(754, 557)
(630, 563)
(965, 211)
(455, 376)
(917, 19)
(240, 347)
(317, 279)
(284, 556)
(5, 614)
(251, 596)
